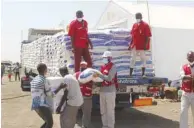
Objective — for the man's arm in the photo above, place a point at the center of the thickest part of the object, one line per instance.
(72, 43)
(71, 33)
(111, 74)
(148, 35)
(183, 76)
(89, 41)
(60, 87)
(63, 99)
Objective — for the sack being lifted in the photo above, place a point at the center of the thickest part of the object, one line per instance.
(54, 83)
(87, 76)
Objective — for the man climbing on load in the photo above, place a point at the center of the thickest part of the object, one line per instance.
(140, 42)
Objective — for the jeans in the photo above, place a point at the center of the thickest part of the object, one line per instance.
(17, 74)
(46, 115)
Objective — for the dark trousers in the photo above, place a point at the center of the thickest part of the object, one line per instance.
(17, 74)
(46, 115)
(78, 54)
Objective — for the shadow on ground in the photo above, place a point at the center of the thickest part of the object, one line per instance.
(133, 118)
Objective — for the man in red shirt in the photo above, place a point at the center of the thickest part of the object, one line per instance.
(78, 31)
(140, 42)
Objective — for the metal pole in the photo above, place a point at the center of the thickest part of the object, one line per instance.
(148, 12)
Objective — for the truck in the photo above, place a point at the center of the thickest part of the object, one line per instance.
(55, 51)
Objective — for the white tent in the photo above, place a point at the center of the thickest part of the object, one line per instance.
(172, 31)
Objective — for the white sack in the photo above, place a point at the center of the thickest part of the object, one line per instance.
(54, 83)
(87, 76)
(97, 79)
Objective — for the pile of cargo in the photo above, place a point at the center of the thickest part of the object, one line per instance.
(56, 51)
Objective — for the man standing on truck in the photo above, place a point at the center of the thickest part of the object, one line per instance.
(86, 90)
(78, 31)
(140, 42)
(108, 90)
(187, 99)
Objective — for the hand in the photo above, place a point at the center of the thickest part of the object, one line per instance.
(91, 46)
(95, 75)
(62, 85)
(187, 77)
(58, 110)
(129, 48)
(73, 50)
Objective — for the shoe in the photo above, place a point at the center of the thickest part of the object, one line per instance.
(144, 76)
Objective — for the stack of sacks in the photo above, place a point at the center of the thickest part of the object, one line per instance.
(54, 83)
(56, 52)
(116, 41)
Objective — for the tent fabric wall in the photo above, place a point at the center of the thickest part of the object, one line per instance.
(113, 13)
(170, 49)
(123, 23)
(160, 15)
(172, 29)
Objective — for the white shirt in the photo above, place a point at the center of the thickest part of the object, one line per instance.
(74, 95)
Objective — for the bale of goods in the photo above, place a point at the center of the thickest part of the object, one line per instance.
(56, 51)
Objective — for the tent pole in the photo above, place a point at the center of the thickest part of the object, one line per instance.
(148, 11)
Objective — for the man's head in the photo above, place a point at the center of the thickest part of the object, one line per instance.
(63, 71)
(83, 66)
(79, 15)
(190, 57)
(42, 69)
(138, 17)
(107, 57)
(17, 64)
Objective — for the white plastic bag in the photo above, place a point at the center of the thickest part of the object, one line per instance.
(54, 83)
(87, 76)
(97, 79)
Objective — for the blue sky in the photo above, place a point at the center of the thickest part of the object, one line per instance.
(18, 16)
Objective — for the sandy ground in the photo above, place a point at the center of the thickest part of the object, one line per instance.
(16, 113)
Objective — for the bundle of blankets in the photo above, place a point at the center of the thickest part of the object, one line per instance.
(56, 51)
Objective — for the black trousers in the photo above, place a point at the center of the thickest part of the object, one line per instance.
(17, 74)
(46, 115)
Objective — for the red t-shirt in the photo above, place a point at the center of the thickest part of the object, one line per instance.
(79, 31)
(139, 33)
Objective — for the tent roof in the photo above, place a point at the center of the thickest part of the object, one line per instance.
(112, 25)
(160, 15)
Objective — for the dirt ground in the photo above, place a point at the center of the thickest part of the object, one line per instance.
(16, 112)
